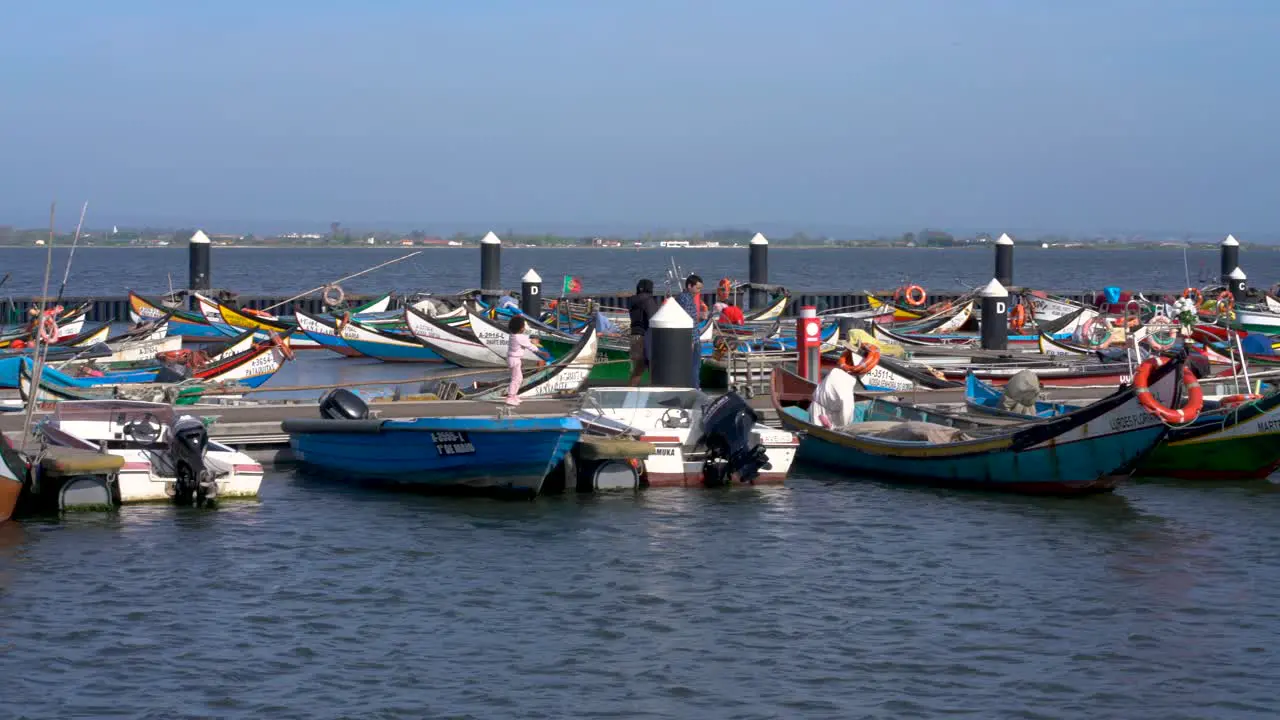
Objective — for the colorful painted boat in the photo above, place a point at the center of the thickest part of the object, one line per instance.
(457, 344)
(493, 454)
(1087, 451)
(14, 471)
(183, 323)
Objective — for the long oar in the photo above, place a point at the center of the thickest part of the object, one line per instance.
(341, 279)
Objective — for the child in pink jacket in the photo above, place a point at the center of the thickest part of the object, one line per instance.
(519, 343)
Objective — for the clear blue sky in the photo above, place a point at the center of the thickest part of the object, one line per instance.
(1076, 115)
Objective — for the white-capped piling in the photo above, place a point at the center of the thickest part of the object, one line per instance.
(531, 294)
(199, 269)
(671, 346)
(490, 268)
(758, 271)
(1238, 284)
(1004, 260)
(1229, 252)
(995, 316)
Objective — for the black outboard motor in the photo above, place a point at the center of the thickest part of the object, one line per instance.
(731, 448)
(342, 404)
(195, 482)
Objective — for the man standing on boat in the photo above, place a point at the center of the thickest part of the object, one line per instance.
(643, 306)
(691, 302)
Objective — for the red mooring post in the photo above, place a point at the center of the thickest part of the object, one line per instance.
(809, 344)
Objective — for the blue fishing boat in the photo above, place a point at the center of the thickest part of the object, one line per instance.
(505, 455)
(984, 399)
(1085, 451)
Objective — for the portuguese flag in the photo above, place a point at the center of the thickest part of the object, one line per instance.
(572, 284)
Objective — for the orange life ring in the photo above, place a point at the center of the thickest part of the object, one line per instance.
(916, 295)
(1195, 396)
(1225, 302)
(1018, 318)
(1196, 292)
(48, 329)
(724, 289)
(1238, 399)
(280, 343)
(869, 361)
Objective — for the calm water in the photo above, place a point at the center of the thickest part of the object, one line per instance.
(823, 599)
(113, 272)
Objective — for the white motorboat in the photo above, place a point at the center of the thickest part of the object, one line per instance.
(167, 456)
(698, 440)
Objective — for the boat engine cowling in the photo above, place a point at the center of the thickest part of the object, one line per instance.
(188, 445)
(342, 404)
(732, 447)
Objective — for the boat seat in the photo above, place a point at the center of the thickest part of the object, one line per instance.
(319, 425)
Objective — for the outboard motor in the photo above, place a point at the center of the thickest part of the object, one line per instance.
(188, 446)
(342, 404)
(731, 447)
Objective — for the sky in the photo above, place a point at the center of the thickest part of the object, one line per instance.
(826, 116)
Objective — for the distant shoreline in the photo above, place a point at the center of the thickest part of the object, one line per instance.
(408, 248)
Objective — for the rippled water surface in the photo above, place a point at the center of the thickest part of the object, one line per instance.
(823, 599)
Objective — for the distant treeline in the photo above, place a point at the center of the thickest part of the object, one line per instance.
(339, 236)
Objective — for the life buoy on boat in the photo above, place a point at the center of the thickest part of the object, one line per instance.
(1088, 331)
(724, 289)
(48, 328)
(870, 358)
(1018, 318)
(1195, 396)
(915, 296)
(1165, 340)
(1225, 304)
(1230, 400)
(333, 295)
(282, 344)
(1194, 292)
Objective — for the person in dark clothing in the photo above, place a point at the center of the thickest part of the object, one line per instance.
(643, 306)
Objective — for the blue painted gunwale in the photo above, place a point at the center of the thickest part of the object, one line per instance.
(1024, 458)
(513, 453)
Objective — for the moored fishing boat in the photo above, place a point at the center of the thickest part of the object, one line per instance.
(167, 457)
(1085, 451)
(697, 440)
(13, 477)
(511, 454)
(454, 343)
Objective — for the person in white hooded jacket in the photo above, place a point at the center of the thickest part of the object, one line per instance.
(833, 400)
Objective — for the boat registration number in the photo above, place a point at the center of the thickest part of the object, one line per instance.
(449, 442)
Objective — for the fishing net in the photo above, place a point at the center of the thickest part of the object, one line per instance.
(1021, 393)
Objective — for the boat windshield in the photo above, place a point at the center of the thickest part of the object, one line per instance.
(118, 412)
(644, 398)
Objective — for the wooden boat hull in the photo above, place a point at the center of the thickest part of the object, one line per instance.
(1087, 451)
(477, 453)
(183, 323)
(13, 476)
(455, 344)
(325, 334)
(1243, 444)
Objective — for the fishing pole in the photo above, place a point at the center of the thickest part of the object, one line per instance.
(67, 272)
(341, 279)
(37, 363)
